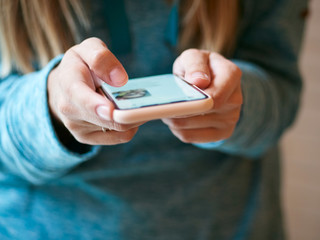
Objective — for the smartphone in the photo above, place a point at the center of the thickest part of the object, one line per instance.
(155, 97)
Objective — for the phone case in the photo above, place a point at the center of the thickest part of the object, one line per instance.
(162, 111)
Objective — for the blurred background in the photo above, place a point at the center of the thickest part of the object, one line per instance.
(301, 144)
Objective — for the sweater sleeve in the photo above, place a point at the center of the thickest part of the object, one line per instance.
(29, 146)
(267, 53)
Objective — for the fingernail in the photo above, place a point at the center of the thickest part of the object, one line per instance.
(118, 76)
(103, 112)
(201, 75)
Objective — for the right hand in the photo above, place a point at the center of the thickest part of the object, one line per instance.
(74, 100)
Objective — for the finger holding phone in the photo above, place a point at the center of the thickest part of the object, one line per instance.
(73, 98)
(220, 79)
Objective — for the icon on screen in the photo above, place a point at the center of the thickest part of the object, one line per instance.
(131, 94)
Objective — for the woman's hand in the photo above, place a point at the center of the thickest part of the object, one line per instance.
(220, 78)
(73, 98)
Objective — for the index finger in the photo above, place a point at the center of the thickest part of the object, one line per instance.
(101, 61)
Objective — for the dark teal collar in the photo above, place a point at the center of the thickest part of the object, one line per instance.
(118, 26)
(119, 30)
(173, 25)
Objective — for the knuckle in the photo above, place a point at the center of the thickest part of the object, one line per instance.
(71, 91)
(125, 139)
(99, 57)
(127, 136)
(234, 70)
(83, 70)
(190, 52)
(91, 40)
(230, 122)
(71, 52)
(72, 88)
(177, 123)
(227, 134)
(237, 71)
(185, 137)
(233, 120)
(72, 63)
(65, 109)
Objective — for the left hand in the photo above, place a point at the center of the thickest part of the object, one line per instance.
(219, 78)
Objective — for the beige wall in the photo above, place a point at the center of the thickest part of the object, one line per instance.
(301, 178)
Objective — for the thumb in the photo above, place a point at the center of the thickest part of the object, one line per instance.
(193, 66)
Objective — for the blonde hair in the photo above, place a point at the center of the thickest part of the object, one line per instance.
(209, 24)
(37, 30)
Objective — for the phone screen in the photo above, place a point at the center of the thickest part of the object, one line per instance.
(151, 91)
